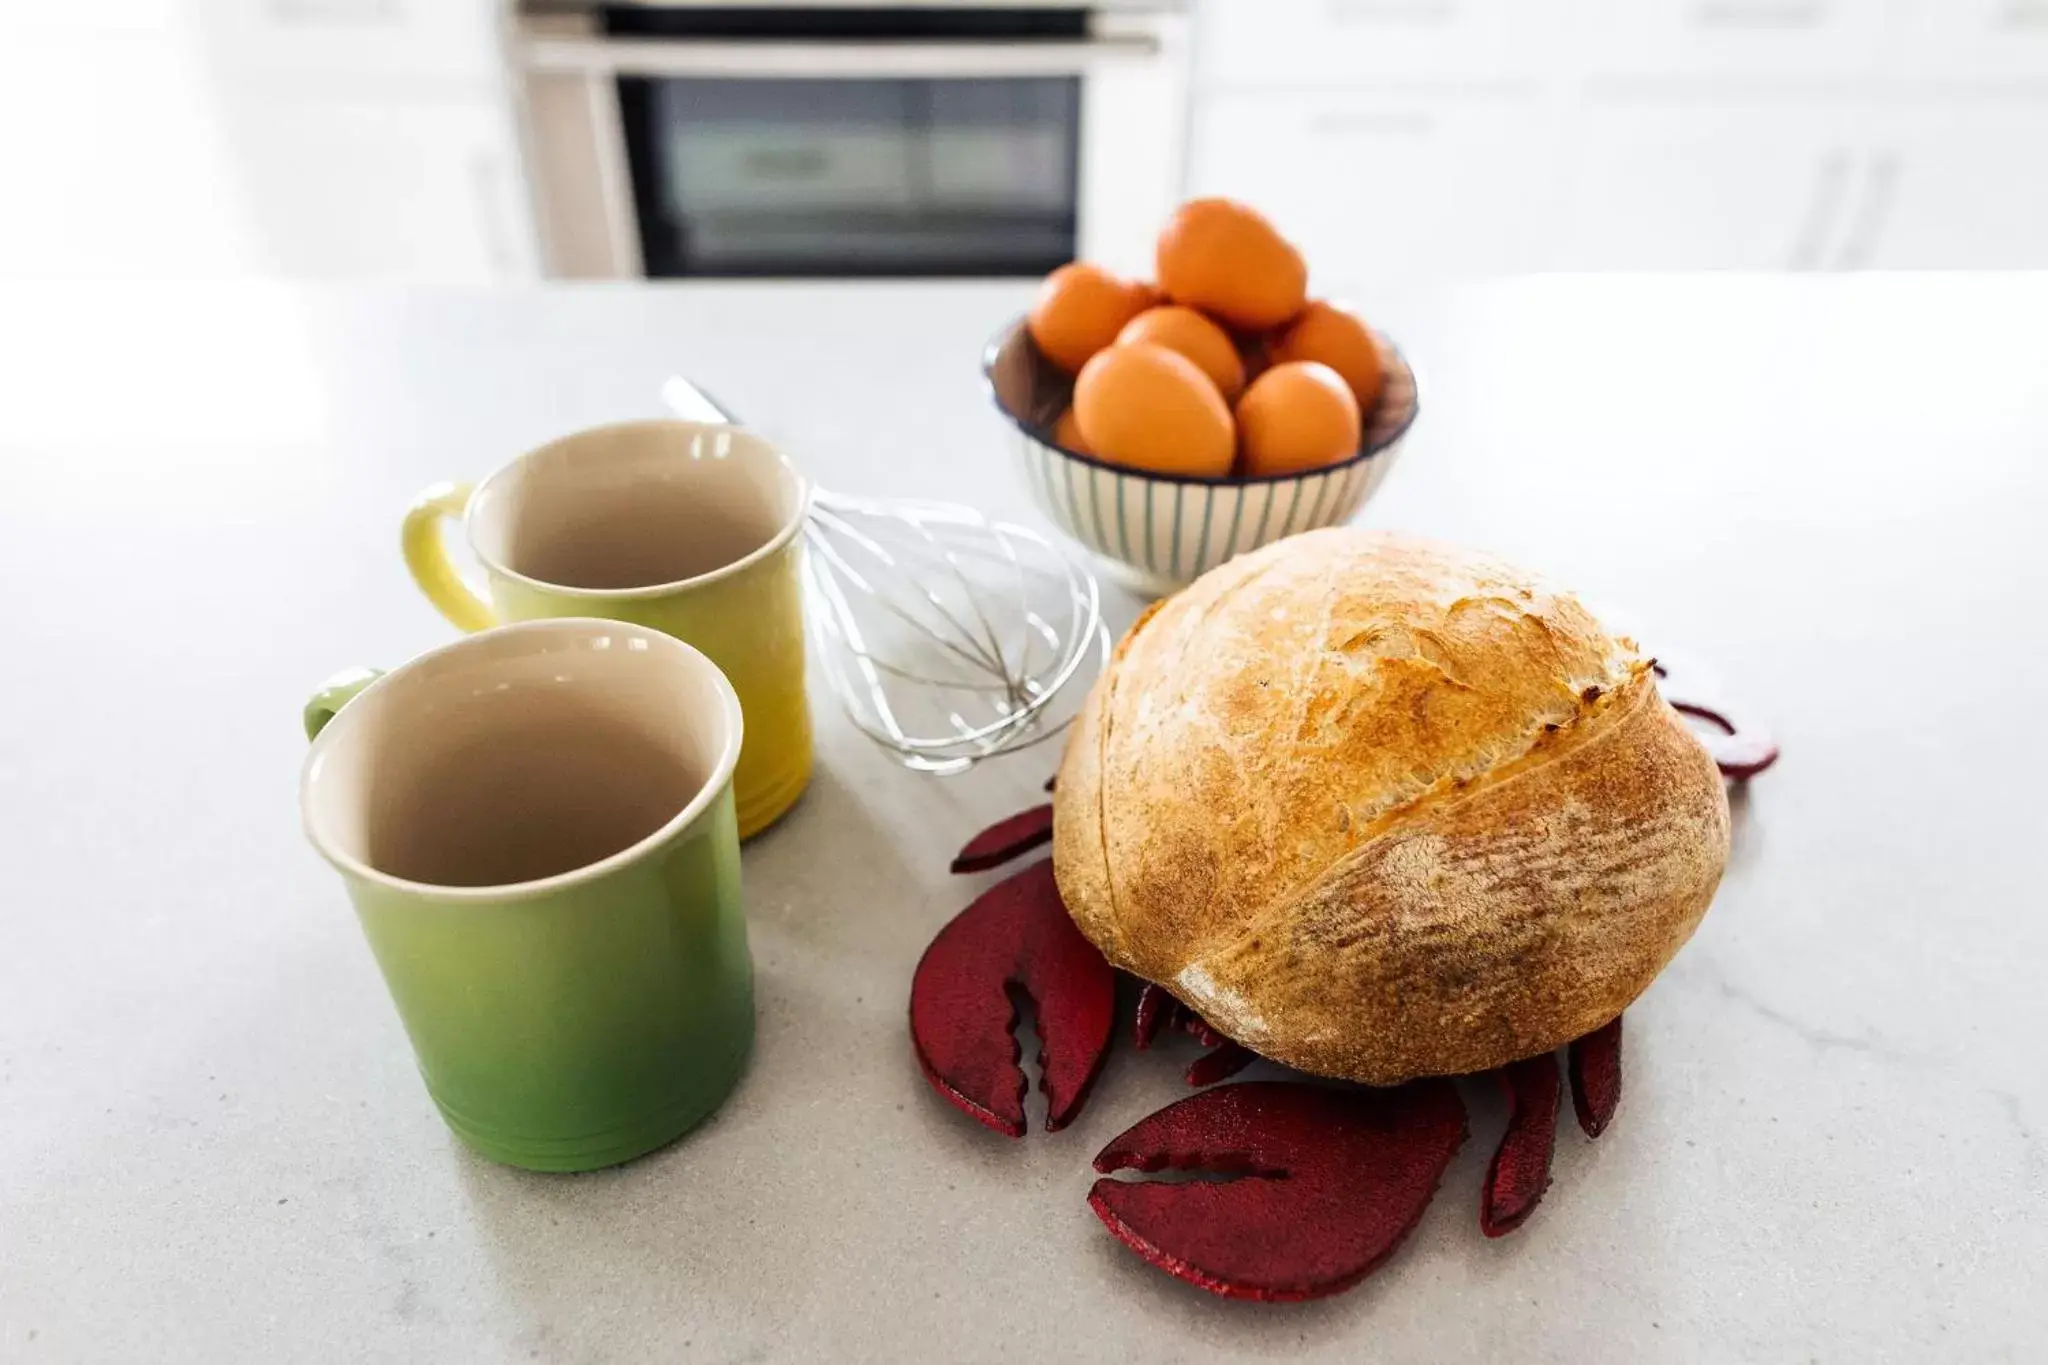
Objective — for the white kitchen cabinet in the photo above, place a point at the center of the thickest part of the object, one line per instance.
(109, 159)
(1689, 134)
(364, 42)
(1971, 45)
(1292, 43)
(1736, 42)
(1708, 186)
(346, 189)
(1380, 188)
(1953, 187)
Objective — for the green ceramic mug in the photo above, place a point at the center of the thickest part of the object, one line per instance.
(690, 527)
(536, 826)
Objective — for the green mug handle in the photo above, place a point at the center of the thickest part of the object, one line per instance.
(337, 692)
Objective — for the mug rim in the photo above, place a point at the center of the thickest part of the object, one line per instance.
(716, 781)
(799, 509)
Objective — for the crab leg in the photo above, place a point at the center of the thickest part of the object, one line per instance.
(1521, 1164)
(1739, 750)
(1006, 839)
(1226, 1061)
(1155, 1007)
(1595, 1064)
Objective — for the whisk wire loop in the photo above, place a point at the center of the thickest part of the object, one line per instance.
(946, 636)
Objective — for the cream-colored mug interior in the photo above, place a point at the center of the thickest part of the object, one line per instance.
(520, 754)
(635, 505)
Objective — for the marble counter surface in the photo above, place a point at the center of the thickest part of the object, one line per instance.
(1833, 1144)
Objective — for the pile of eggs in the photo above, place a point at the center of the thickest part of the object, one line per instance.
(1224, 367)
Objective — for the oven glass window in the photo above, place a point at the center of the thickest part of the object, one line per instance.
(853, 176)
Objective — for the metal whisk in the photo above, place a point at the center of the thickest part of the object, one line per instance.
(947, 637)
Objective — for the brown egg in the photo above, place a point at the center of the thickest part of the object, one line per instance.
(1194, 336)
(1152, 409)
(1224, 258)
(1066, 433)
(1299, 415)
(1079, 310)
(1340, 339)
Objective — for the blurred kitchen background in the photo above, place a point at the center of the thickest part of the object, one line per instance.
(1399, 141)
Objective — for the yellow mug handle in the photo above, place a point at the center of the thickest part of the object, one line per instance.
(426, 555)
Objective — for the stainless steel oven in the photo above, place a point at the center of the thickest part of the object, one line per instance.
(849, 140)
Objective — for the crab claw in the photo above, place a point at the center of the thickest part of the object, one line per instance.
(1015, 934)
(1595, 1064)
(1006, 839)
(1331, 1181)
(1521, 1164)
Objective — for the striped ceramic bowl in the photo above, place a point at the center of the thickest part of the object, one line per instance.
(1158, 532)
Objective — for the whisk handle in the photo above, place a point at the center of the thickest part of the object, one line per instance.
(692, 404)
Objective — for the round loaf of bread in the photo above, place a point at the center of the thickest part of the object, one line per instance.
(1378, 808)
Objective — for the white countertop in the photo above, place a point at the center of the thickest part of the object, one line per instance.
(1833, 1139)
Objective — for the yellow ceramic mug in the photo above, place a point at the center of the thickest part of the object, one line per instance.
(689, 527)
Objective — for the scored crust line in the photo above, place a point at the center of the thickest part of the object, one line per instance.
(1447, 791)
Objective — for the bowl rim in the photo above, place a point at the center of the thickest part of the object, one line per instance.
(1392, 438)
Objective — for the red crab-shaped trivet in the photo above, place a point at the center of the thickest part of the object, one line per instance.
(1329, 1177)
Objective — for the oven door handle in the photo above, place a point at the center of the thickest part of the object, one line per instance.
(846, 60)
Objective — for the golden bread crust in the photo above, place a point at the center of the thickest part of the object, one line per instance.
(1380, 808)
